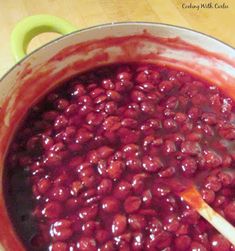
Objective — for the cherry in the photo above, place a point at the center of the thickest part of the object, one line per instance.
(59, 246)
(61, 230)
(52, 210)
(183, 242)
(132, 204)
(119, 224)
(110, 205)
(189, 166)
(151, 164)
(136, 221)
(230, 211)
(86, 243)
(105, 155)
(219, 243)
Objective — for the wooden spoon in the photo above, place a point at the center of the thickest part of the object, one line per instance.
(194, 199)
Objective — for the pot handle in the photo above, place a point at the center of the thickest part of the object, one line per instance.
(31, 26)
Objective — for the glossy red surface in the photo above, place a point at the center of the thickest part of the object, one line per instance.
(100, 161)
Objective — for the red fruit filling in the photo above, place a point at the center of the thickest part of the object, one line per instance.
(98, 162)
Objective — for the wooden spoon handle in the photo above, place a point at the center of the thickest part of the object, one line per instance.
(194, 199)
(218, 222)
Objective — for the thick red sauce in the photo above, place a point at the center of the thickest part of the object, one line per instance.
(100, 161)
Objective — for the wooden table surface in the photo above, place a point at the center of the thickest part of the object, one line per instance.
(219, 23)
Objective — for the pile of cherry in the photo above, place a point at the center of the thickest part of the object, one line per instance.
(105, 153)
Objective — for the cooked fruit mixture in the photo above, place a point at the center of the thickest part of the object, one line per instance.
(99, 162)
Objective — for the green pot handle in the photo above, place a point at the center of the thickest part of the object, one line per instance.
(31, 26)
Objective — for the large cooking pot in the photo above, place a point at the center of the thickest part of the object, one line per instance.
(36, 73)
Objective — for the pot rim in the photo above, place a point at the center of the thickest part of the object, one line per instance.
(99, 26)
(107, 25)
